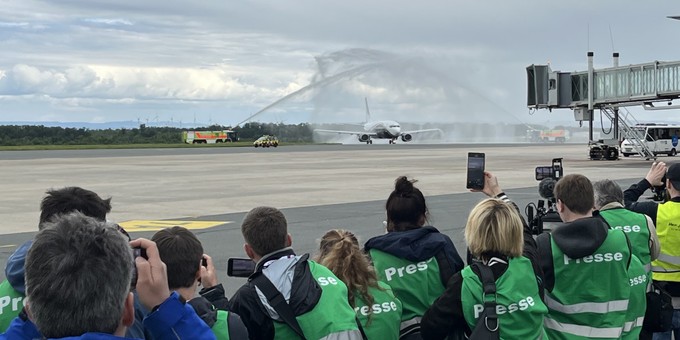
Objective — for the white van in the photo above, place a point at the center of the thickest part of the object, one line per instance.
(659, 138)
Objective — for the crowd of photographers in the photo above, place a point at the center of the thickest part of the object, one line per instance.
(609, 270)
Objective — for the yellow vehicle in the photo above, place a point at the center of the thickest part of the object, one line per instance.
(266, 141)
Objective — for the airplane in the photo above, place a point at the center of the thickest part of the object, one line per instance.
(383, 129)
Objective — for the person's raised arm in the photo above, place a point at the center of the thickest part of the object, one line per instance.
(631, 195)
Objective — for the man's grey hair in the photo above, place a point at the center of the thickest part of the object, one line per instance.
(78, 274)
(607, 191)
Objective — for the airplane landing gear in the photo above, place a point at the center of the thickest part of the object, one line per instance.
(369, 142)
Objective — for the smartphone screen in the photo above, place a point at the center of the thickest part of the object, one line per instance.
(238, 267)
(475, 170)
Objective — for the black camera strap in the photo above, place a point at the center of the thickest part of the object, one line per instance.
(278, 302)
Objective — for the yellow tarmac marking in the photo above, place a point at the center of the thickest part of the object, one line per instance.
(8, 246)
(145, 225)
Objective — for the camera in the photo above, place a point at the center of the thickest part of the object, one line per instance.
(660, 194)
(542, 215)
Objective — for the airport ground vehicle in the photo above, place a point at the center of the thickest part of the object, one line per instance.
(266, 141)
(659, 138)
(603, 149)
(548, 136)
(209, 137)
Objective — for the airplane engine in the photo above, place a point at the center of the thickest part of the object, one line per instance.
(406, 138)
(364, 138)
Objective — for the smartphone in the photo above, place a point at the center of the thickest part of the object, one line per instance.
(240, 267)
(475, 170)
(136, 252)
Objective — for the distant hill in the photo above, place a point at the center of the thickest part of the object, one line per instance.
(130, 124)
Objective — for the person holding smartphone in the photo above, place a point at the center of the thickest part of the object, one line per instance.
(415, 259)
(499, 239)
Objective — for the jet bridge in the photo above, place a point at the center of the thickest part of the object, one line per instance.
(607, 90)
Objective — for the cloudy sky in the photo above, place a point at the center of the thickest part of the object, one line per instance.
(223, 61)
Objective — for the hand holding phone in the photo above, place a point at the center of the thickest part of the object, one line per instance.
(475, 170)
(240, 267)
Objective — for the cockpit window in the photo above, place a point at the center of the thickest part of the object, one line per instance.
(394, 126)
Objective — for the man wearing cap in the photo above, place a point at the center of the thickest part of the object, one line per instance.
(666, 217)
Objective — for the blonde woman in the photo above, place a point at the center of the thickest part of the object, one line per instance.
(373, 301)
(498, 239)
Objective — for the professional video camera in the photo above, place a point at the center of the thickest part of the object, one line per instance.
(544, 212)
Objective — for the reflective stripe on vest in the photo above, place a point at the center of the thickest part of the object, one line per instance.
(670, 259)
(667, 266)
(587, 307)
(628, 326)
(410, 322)
(584, 331)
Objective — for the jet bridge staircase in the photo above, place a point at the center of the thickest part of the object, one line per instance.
(626, 122)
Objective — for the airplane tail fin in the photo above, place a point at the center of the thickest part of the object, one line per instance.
(368, 113)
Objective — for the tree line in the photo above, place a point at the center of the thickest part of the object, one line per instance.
(15, 135)
(19, 135)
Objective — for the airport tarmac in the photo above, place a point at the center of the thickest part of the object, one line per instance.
(319, 187)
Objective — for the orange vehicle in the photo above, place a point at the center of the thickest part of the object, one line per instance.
(209, 137)
(557, 136)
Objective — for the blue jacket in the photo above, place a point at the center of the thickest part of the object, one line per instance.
(172, 320)
(14, 270)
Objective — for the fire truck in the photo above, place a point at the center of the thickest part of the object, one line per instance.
(209, 137)
(546, 136)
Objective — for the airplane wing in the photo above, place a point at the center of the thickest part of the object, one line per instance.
(353, 133)
(422, 131)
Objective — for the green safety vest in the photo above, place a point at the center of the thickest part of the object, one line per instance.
(416, 284)
(635, 226)
(11, 304)
(331, 315)
(590, 295)
(221, 326)
(667, 266)
(638, 279)
(519, 306)
(381, 320)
